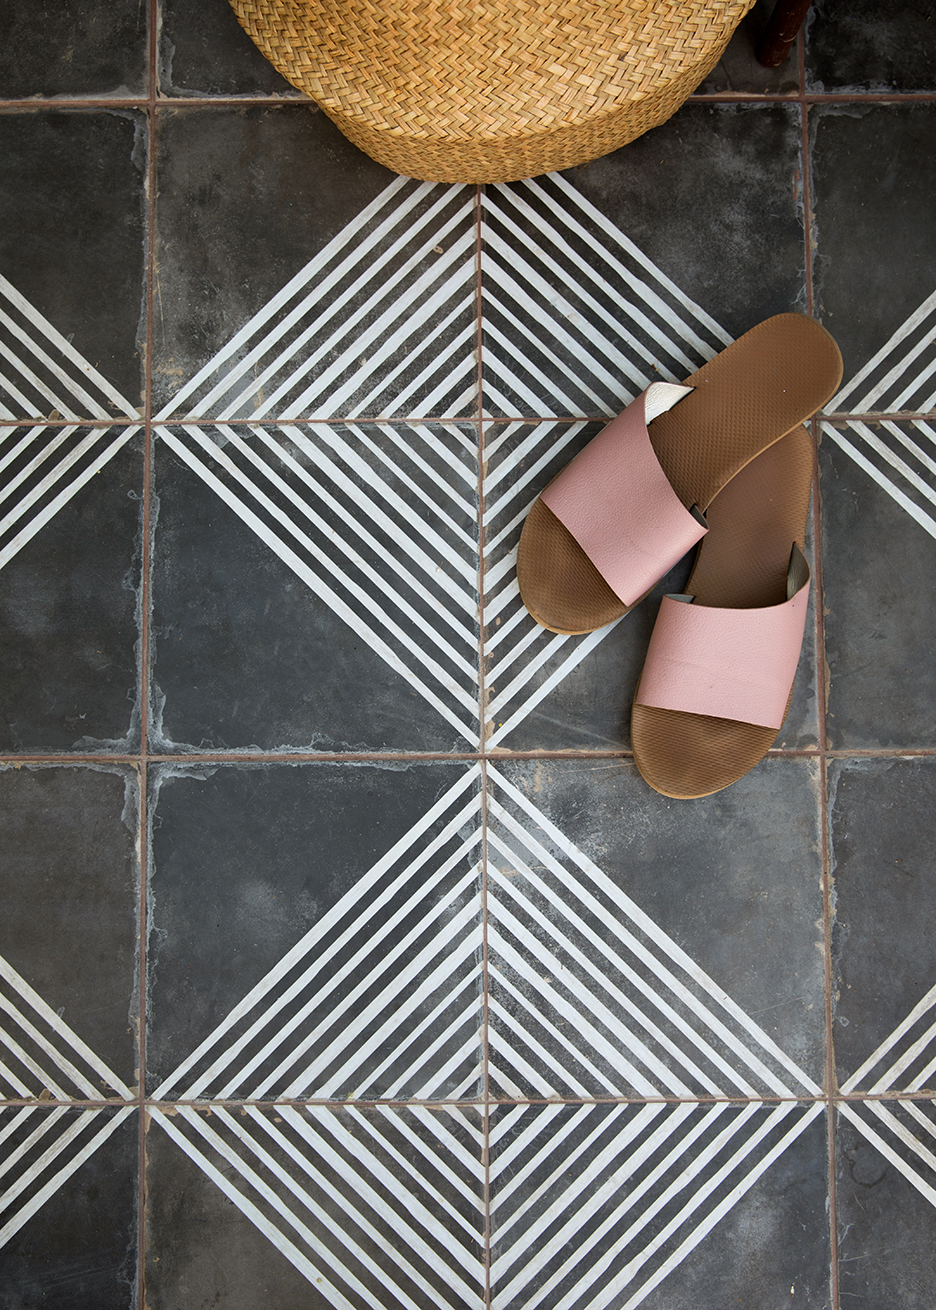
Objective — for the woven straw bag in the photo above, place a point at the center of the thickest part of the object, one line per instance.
(492, 90)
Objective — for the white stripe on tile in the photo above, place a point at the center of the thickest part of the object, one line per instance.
(926, 522)
(867, 401)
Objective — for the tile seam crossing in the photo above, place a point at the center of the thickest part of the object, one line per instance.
(810, 234)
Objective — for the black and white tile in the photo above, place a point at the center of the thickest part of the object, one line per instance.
(345, 958)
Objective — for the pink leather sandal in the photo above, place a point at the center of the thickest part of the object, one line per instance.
(718, 676)
(632, 503)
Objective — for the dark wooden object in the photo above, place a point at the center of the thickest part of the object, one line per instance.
(780, 33)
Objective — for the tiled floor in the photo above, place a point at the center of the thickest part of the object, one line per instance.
(347, 961)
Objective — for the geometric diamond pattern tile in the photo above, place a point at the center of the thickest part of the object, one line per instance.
(590, 998)
(594, 1206)
(906, 1060)
(42, 375)
(378, 522)
(40, 1055)
(380, 999)
(40, 1150)
(577, 320)
(406, 1183)
(380, 322)
(904, 1133)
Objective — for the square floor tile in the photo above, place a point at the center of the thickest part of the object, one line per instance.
(99, 49)
(72, 261)
(67, 933)
(870, 45)
(204, 51)
(70, 588)
(68, 1219)
(336, 1207)
(879, 532)
(885, 963)
(316, 932)
(873, 174)
(316, 587)
(885, 1200)
(659, 1206)
(712, 201)
(298, 279)
(622, 942)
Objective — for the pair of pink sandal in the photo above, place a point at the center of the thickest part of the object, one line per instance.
(723, 460)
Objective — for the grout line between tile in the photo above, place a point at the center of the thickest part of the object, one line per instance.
(145, 555)
(821, 672)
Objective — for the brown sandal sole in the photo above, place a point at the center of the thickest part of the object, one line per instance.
(741, 564)
(767, 382)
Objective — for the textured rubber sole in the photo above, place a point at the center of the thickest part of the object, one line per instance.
(762, 386)
(741, 564)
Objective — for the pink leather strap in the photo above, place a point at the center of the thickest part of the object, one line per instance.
(619, 506)
(732, 664)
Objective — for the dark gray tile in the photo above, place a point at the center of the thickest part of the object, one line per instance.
(618, 916)
(870, 45)
(739, 71)
(713, 198)
(308, 1208)
(661, 1206)
(69, 1218)
(873, 178)
(878, 559)
(98, 49)
(69, 589)
(72, 252)
(342, 902)
(887, 1230)
(315, 588)
(67, 932)
(881, 845)
(333, 286)
(204, 51)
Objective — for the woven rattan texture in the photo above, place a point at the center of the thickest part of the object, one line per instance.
(458, 91)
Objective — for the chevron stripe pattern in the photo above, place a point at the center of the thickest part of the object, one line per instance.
(595, 1205)
(397, 507)
(39, 1152)
(577, 320)
(380, 322)
(41, 373)
(577, 967)
(904, 1133)
(899, 454)
(40, 1055)
(408, 1184)
(382, 998)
